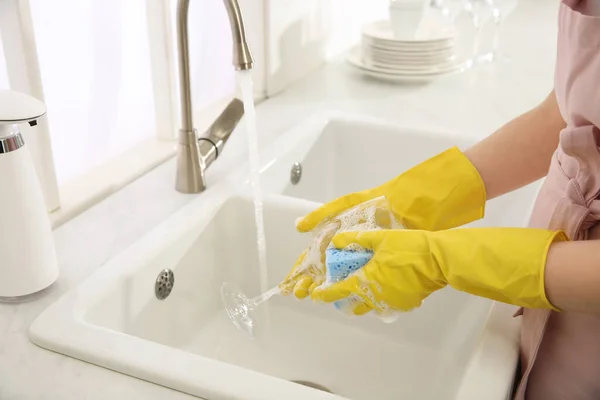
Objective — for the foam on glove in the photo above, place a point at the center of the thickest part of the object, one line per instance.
(339, 264)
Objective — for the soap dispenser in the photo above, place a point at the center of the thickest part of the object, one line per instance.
(27, 256)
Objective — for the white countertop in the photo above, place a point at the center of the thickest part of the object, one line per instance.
(474, 103)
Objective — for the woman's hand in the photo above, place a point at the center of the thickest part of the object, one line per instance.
(503, 264)
(309, 269)
(443, 192)
(450, 189)
(303, 278)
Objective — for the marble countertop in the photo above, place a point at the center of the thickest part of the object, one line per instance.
(475, 103)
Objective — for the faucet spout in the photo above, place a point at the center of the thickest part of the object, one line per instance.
(195, 154)
(242, 58)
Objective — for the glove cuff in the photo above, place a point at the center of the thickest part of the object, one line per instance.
(502, 264)
(443, 192)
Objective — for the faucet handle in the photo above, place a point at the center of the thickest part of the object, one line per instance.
(213, 140)
(223, 126)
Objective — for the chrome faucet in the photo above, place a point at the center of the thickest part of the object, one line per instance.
(195, 154)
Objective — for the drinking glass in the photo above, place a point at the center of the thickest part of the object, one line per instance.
(500, 10)
(239, 307)
(373, 214)
(449, 9)
(480, 11)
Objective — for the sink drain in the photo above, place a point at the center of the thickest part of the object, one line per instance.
(296, 173)
(313, 385)
(164, 284)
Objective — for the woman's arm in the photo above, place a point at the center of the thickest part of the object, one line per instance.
(519, 152)
(572, 276)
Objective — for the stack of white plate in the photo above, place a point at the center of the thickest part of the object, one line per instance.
(430, 53)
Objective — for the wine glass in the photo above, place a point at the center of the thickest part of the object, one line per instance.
(480, 11)
(500, 10)
(371, 215)
(449, 9)
(239, 307)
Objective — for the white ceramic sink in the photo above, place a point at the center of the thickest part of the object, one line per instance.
(455, 346)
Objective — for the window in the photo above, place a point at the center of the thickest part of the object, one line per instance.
(107, 71)
(3, 73)
(97, 82)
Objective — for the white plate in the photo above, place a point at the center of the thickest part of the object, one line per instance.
(355, 59)
(408, 61)
(406, 58)
(429, 31)
(411, 68)
(397, 78)
(408, 48)
(402, 52)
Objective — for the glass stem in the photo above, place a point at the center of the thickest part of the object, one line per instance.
(497, 25)
(477, 42)
(261, 298)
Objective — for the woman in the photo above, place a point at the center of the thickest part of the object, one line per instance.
(551, 269)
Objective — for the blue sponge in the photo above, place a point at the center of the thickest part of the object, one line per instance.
(340, 264)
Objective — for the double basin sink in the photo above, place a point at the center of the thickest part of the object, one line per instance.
(155, 312)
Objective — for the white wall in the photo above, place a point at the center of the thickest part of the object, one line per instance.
(254, 17)
(4, 84)
(303, 34)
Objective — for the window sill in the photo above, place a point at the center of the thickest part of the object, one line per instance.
(94, 186)
(99, 183)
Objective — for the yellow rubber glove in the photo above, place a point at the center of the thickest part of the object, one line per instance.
(443, 192)
(300, 281)
(309, 269)
(502, 264)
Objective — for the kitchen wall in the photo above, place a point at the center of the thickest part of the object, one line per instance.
(254, 17)
(3, 73)
(303, 34)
